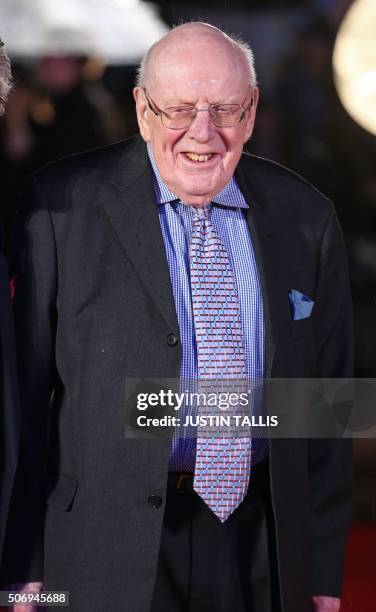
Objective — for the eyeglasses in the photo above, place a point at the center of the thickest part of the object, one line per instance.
(182, 117)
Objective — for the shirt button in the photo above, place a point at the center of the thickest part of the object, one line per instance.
(172, 340)
(155, 501)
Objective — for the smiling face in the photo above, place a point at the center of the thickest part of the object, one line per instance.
(200, 68)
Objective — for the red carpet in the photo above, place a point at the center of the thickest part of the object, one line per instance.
(360, 573)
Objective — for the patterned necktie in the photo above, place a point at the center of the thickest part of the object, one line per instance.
(222, 461)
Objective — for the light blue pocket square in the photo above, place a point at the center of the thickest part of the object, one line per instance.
(301, 305)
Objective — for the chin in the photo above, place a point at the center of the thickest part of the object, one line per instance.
(200, 196)
(199, 201)
(195, 199)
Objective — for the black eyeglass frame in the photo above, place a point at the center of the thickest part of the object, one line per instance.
(158, 112)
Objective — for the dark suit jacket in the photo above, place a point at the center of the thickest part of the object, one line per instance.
(94, 306)
(9, 417)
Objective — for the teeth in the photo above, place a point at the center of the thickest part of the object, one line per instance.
(199, 158)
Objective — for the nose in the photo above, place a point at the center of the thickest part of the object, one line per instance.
(202, 127)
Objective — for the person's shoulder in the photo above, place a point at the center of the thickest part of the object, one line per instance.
(281, 189)
(92, 166)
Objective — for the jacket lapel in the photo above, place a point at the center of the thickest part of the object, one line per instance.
(132, 210)
(269, 260)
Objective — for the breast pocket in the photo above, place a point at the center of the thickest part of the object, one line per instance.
(301, 327)
(302, 334)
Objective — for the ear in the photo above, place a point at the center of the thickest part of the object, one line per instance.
(251, 115)
(143, 113)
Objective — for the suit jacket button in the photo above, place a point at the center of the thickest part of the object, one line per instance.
(155, 501)
(172, 340)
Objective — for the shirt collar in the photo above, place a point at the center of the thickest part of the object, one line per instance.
(229, 196)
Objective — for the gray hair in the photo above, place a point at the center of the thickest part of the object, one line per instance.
(5, 78)
(236, 41)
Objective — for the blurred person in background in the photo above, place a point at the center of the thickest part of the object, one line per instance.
(59, 107)
(110, 247)
(8, 384)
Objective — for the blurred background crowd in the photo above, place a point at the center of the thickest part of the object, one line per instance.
(74, 65)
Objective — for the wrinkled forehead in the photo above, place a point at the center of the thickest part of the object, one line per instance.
(198, 63)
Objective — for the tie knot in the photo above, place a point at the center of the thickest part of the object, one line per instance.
(201, 213)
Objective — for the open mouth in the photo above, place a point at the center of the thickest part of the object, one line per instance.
(198, 158)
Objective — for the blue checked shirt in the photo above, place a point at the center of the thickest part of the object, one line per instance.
(228, 219)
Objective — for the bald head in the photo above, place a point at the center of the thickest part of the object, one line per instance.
(194, 38)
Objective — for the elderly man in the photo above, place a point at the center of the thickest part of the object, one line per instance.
(175, 255)
(8, 385)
